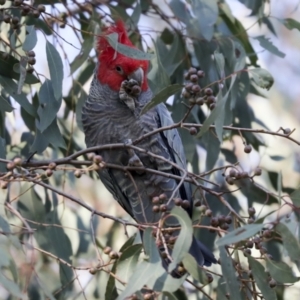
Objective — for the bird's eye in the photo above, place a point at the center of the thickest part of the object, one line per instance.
(119, 70)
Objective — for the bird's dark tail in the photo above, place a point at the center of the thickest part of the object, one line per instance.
(201, 253)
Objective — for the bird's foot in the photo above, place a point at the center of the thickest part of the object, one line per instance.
(128, 93)
(134, 160)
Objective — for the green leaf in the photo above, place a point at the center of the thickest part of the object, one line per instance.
(267, 44)
(4, 255)
(184, 239)
(7, 63)
(212, 147)
(290, 242)
(229, 276)
(281, 272)
(111, 291)
(143, 269)
(237, 29)
(126, 50)
(39, 24)
(277, 157)
(214, 115)
(48, 107)
(126, 264)
(11, 88)
(158, 76)
(190, 264)
(3, 223)
(23, 73)
(82, 57)
(180, 10)
(162, 96)
(262, 78)
(206, 12)
(255, 5)
(136, 14)
(80, 101)
(261, 279)
(240, 234)
(56, 69)
(51, 135)
(295, 196)
(5, 105)
(31, 39)
(11, 287)
(291, 24)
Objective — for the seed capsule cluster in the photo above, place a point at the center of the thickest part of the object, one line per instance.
(26, 10)
(194, 93)
(235, 174)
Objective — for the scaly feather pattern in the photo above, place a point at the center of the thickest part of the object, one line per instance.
(107, 120)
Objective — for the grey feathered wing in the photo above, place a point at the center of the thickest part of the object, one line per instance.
(198, 250)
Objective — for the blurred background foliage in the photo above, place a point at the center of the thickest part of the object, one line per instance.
(241, 143)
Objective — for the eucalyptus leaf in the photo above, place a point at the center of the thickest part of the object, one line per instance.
(240, 234)
(11, 88)
(281, 272)
(262, 78)
(31, 38)
(56, 69)
(184, 239)
(290, 242)
(126, 50)
(48, 107)
(127, 263)
(194, 270)
(261, 279)
(290, 24)
(162, 96)
(4, 104)
(233, 286)
(206, 12)
(267, 44)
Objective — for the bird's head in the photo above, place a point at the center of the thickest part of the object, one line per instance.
(115, 67)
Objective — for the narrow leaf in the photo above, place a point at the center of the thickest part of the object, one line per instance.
(262, 78)
(7, 63)
(261, 279)
(184, 239)
(206, 12)
(291, 24)
(162, 96)
(240, 234)
(290, 242)
(277, 157)
(2, 155)
(267, 44)
(4, 105)
(11, 88)
(11, 287)
(228, 270)
(127, 263)
(23, 73)
(82, 57)
(194, 270)
(48, 107)
(56, 69)
(31, 38)
(126, 50)
(295, 196)
(281, 272)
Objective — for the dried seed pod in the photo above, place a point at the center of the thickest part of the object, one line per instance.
(247, 148)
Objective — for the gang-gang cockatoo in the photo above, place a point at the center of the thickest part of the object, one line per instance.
(110, 116)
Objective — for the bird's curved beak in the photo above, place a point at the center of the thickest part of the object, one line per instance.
(137, 75)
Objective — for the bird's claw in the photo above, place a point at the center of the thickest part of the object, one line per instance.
(128, 93)
(134, 160)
